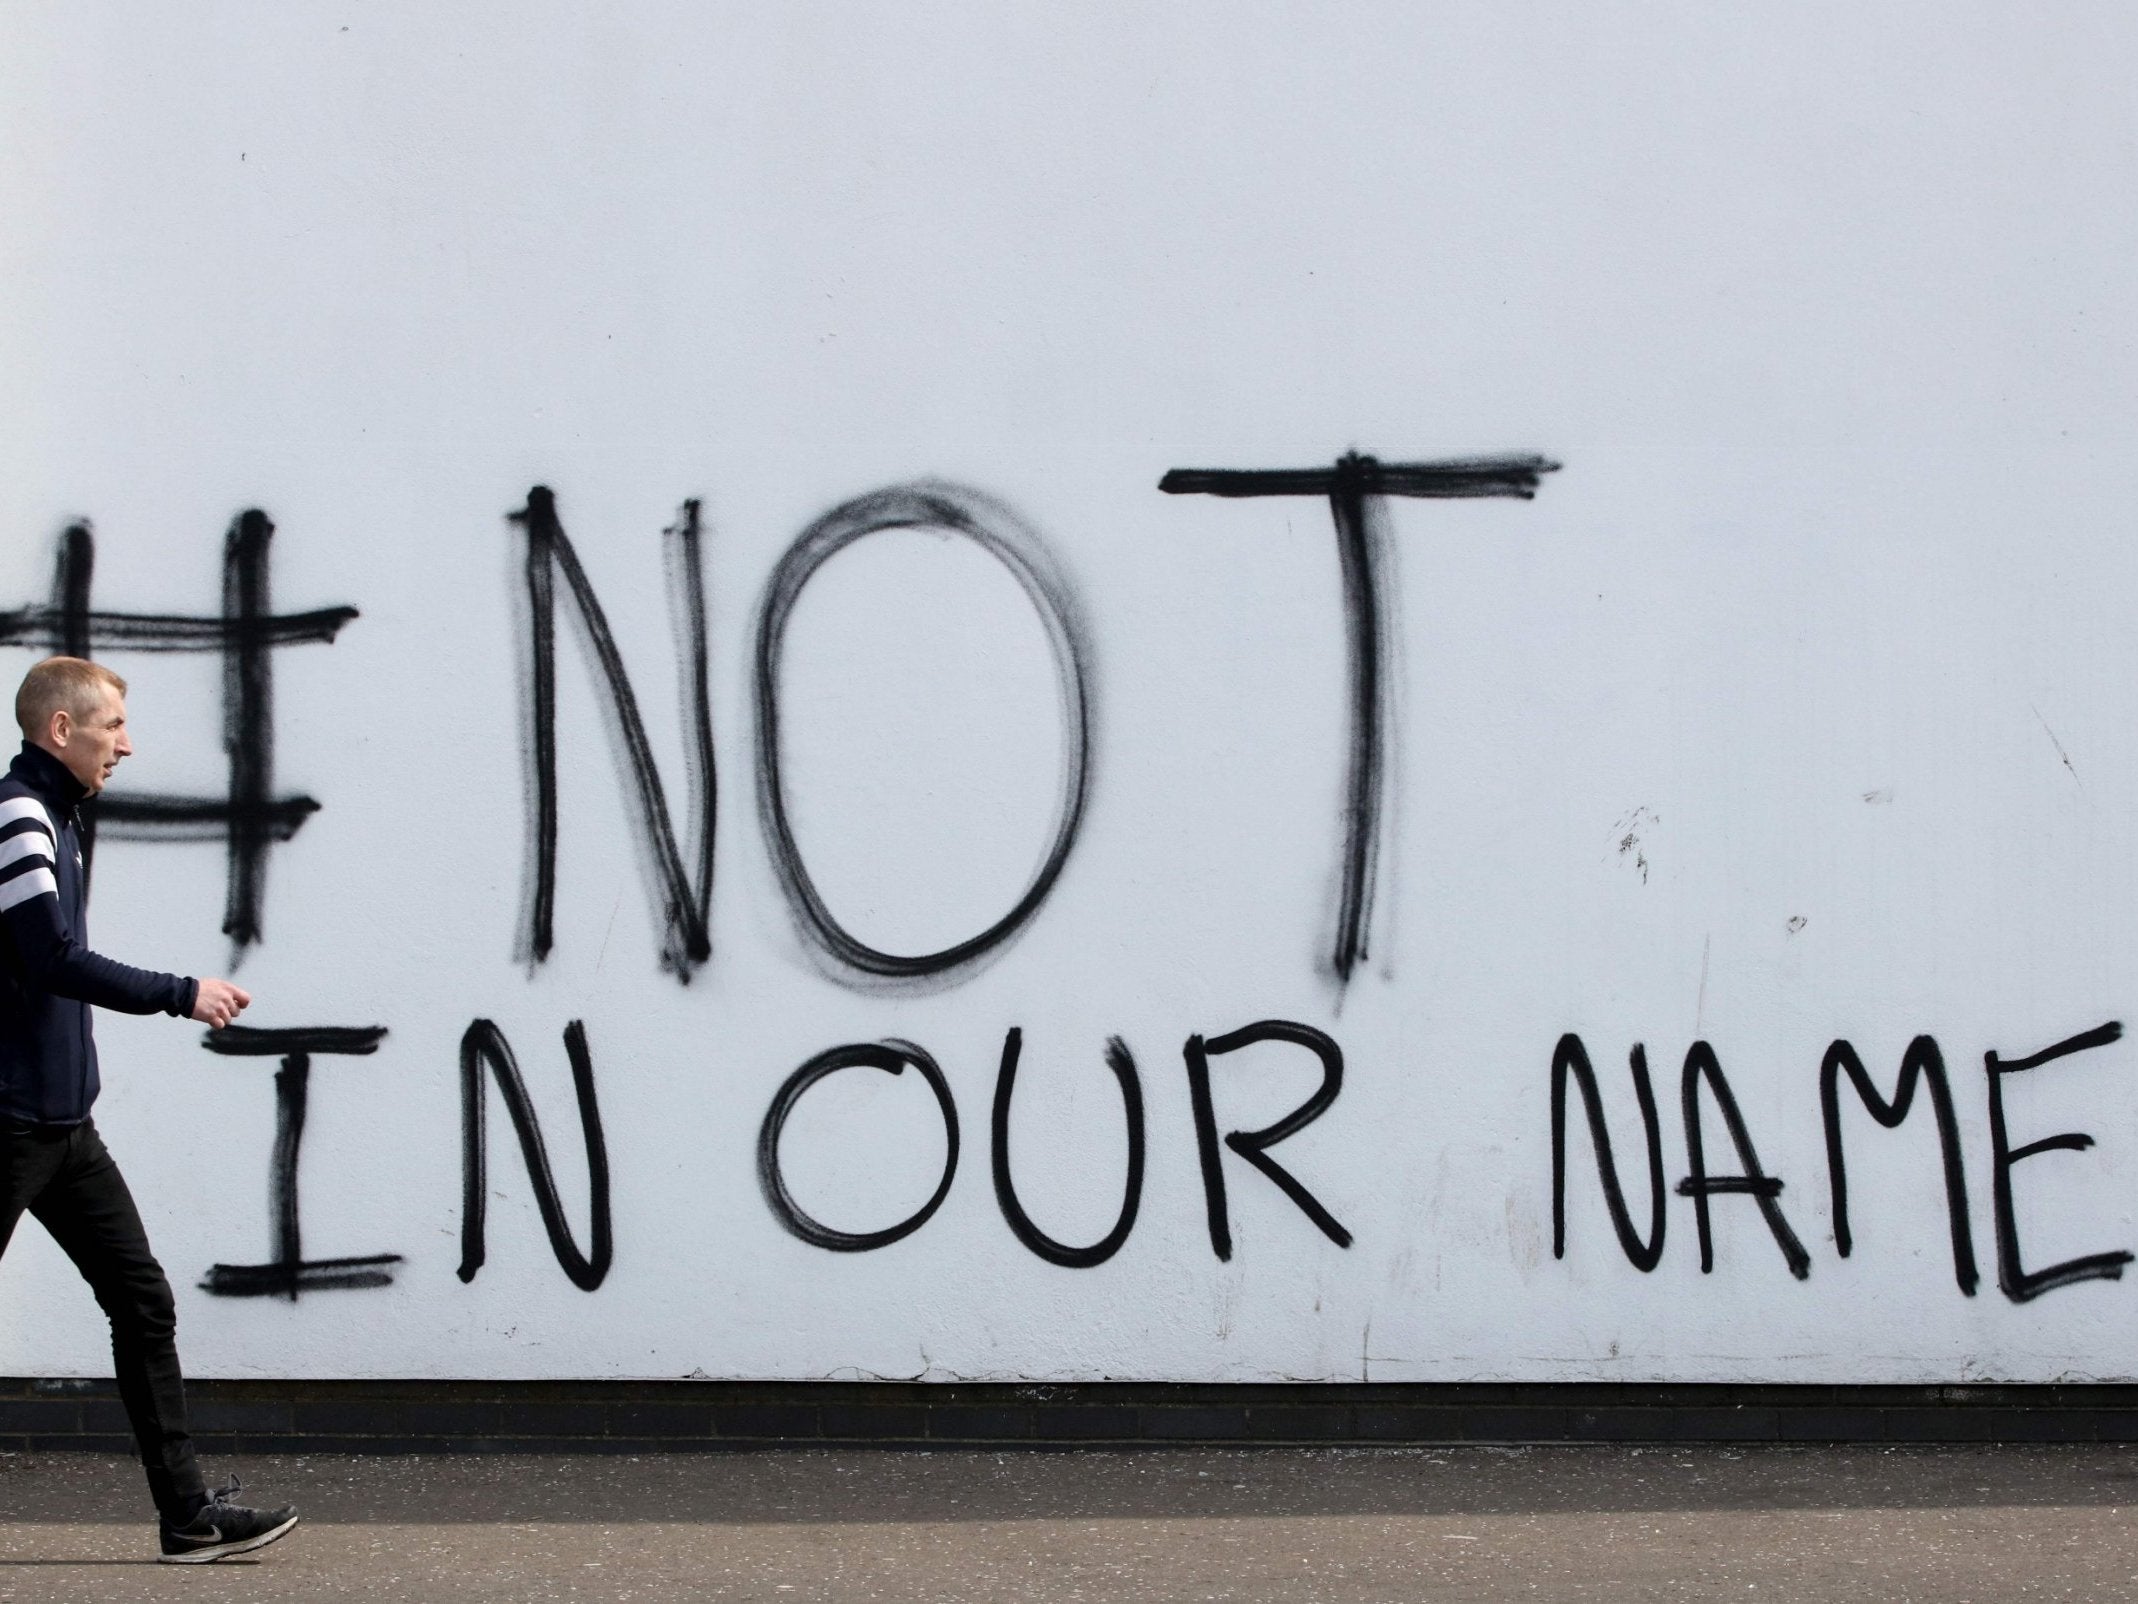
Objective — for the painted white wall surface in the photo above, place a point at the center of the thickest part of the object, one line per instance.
(1799, 704)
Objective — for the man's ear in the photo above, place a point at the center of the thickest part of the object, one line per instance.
(61, 728)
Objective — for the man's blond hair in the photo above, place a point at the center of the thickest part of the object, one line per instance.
(71, 685)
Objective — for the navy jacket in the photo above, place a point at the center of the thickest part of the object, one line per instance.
(48, 976)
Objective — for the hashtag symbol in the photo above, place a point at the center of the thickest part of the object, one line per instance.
(249, 817)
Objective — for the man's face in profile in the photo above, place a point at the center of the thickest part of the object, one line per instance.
(92, 745)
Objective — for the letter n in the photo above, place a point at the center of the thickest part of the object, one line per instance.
(686, 900)
(482, 1046)
(1571, 1058)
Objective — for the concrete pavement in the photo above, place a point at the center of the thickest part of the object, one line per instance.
(1543, 1523)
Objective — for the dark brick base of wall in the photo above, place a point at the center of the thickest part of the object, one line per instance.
(663, 1416)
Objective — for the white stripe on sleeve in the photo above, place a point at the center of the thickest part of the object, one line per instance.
(29, 844)
(27, 807)
(37, 883)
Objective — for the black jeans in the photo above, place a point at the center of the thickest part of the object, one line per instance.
(65, 1179)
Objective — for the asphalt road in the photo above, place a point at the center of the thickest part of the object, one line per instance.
(1859, 1523)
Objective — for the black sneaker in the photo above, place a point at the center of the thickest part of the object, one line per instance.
(224, 1528)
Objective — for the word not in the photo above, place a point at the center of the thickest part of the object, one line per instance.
(1356, 488)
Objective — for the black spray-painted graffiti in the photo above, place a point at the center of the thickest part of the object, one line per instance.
(687, 941)
(1254, 1146)
(1702, 1067)
(1356, 488)
(287, 1271)
(996, 530)
(249, 817)
(686, 902)
(1923, 1064)
(482, 1046)
(893, 1056)
(1123, 1065)
(1572, 1059)
(2019, 1283)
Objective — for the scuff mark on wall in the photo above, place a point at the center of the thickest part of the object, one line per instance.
(2063, 755)
(1628, 833)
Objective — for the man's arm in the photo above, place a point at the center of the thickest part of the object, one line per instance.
(52, 960)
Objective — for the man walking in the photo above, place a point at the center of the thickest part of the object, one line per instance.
(52, 1162)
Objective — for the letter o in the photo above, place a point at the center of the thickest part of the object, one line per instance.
(998, 531)
(891, 1055)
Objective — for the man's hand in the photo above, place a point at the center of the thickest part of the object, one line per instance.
(219, 1002)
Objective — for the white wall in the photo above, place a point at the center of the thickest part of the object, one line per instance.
(1798, 705)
